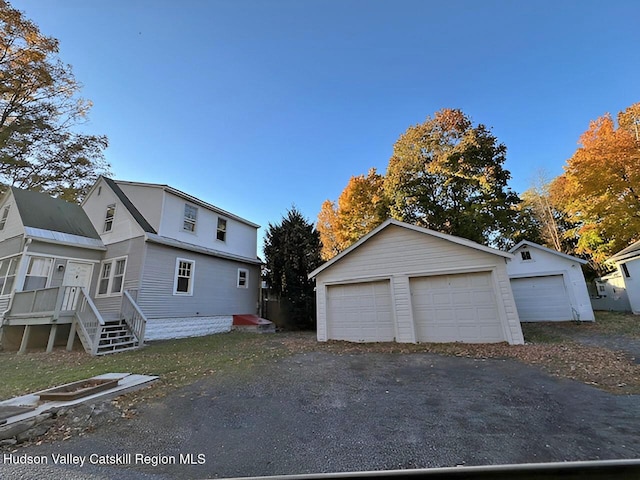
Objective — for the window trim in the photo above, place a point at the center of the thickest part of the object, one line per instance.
(246, 278)
(188, 221)
(222, 231)
(112, 262)
(109, 220)
(5, 215)
(191, 277)
(528, 254)
(16, 261)
(625, 270)
(47, 282)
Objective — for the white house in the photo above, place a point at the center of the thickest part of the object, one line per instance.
(611, 293)
(135, 262)
(405, 283)
(548, 285)
(628, 263)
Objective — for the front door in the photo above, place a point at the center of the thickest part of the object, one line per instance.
(76, 276)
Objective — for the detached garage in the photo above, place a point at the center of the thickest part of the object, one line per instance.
(548, 286)
(409, 284)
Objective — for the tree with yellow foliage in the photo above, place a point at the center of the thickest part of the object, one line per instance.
(600, 189)
(360, 208)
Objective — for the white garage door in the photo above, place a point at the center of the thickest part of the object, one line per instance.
(456, 308)
(541, 299)
(360, 312)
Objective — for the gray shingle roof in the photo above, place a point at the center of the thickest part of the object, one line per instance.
(39, 210)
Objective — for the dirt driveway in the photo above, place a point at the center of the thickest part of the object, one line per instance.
(326, 412)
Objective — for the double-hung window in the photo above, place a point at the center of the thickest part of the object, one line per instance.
(8, 268)
(111, 279)
(5, 214)
(183, 281)
(108, 219)
(38, 273)
(221, 233)
(243, 278)
(190, 217)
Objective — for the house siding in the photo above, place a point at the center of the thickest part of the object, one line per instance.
(13, 226)
(399, 253)
(12, 246)
(214, 286)
(632, 283)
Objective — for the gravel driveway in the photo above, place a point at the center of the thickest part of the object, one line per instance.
(324, 412)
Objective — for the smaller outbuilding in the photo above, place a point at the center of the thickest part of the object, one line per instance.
(628, 263)
(410, 284)
(548, 286)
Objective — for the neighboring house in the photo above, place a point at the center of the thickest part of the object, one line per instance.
(49, 251)
(548, 285)
(146, 262)
(610, 293)
(405, 283)
(628, 263)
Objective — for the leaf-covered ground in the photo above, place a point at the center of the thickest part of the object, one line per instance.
(181, 362)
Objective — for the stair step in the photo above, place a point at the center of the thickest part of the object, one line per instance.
(107, 352)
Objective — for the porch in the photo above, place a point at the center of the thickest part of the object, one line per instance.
(72, 305)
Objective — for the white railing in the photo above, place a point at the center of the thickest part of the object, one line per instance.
(34, 302)
(90, 321)
(133, 316)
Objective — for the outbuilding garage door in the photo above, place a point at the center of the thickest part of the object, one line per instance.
(456, 308)
(541, 299)
(360, 312)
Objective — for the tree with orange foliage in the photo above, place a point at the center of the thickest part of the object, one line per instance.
(360, 208)
(600, 189)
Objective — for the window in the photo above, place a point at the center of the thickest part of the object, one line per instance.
(601, 288)
(108, 219)
(243, 278)
(525, 254)
(190, 214)
(5, 214)
(625, 270)
(8, 268)
(37, 273)
(111, 278)
(222, 230)
(183, 283)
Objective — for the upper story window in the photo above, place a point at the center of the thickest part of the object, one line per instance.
(625, 270)
(38, 273)
(243, 278)
(112, 276)
(5, 214)
(190, 216)
(221, 233)
(108, 219)
(525, 254)
(8, 268)
(183, 281)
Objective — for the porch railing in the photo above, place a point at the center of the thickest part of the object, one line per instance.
(90, 322)
(34, 302)
(136, 320)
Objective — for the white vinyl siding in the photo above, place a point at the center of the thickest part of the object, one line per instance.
(183, 284)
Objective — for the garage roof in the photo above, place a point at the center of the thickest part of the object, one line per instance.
(426, 231)
(548, 250)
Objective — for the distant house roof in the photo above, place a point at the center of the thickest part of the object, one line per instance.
(55, 221)
(632, 251)
(135, 213)
(548, 250)
(426, 231)
(189, 198)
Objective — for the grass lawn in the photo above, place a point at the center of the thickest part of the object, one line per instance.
(180, 362)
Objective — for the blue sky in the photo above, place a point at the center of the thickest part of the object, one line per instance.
(255, 105)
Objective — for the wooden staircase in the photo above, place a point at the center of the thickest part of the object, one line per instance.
(116, 336)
